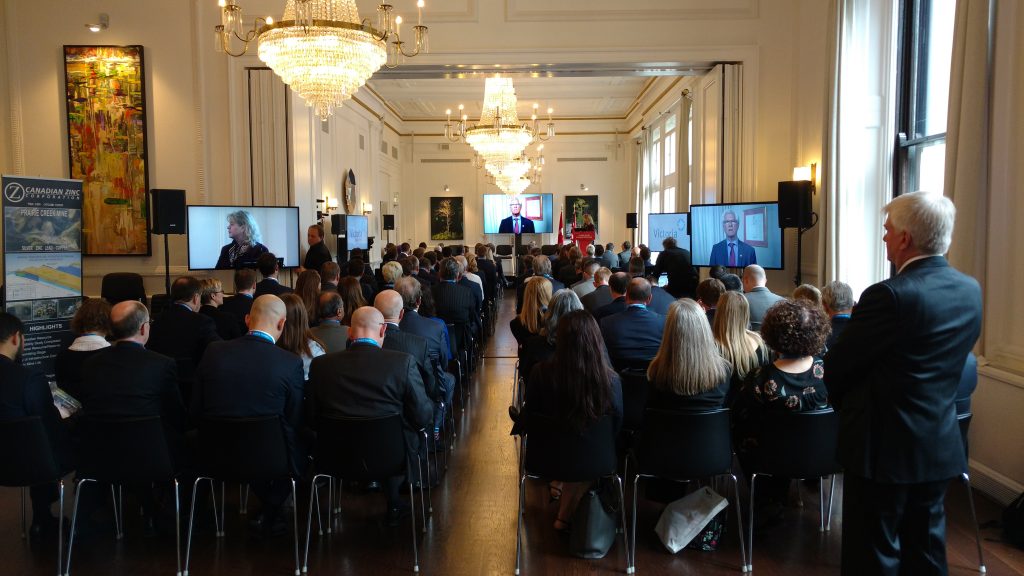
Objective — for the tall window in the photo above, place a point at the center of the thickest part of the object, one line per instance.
(926, 47)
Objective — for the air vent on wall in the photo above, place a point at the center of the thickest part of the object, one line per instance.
(362, 142)
(394, 153)
(445, 160)
(444, 147)
(593, 159)
(383, 147)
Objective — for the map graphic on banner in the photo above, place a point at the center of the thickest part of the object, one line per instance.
(42, 262)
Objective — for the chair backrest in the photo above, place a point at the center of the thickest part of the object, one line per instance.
(684, 445)
(798, 444)
(555, 451)
(26, 457)
(121, 286)
(503, 249)
(964, 422)
(549, 249)
(124, 450)
(635, 388)
(246, 450)
(361, 449)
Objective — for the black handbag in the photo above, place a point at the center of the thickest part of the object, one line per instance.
(592, 532)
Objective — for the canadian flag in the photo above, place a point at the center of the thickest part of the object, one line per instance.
(561, 229)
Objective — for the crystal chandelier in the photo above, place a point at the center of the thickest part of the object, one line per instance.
(321, 48)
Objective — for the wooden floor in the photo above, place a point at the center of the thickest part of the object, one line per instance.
(473, 527)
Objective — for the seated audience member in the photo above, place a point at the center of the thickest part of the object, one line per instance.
(741, 347)
(91, 325)
(577, 386)
(488, 270)
(296, 336)
(660, 298)
(645, 254)
(968, 382)
(541, 346)
(688, 372)
(453, 303)
(251, 376)
(330, 332)
(25, 393)
(609, 259)
(591, 251)
(357, 269)
(268, 266)
(601, 295)
(717, 271)
(425, 274)
(625, 255)
(586, 284)
(181, 333)
(240, 304)
(541, 266)
(389, 273)
(809, 293)
(708, 292)
(837, 300)
(307, 288)
(211, 298)
(476, 286)
(530, 320)
(633, 336)
(732, 283)
(758, 295)
(330, 275)
(352, 294)
(617, 285)
(367, 381)
(569, 272)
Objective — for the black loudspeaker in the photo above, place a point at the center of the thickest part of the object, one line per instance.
(168, 208)
(338, 224)
(795, 204)
(389, 221)
(631, 220)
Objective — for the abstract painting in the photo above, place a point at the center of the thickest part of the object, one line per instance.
(106, 114)
(446, 218)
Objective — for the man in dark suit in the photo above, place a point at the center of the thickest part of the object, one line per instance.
(368, 381)
(367, 283)
(732, 251)
(330, 275)
(837, 299)
(660, 299)
(541, 267)
(240, 304)
(625, 255)
(488, 272)
(618, 283)
(182, 333)
(318, 253)
(893, 376)
(24, 393)
(601, 295)
(708, 293)
(516, 223)
(675, 261)
(477, 289)
(331, 333)
(269, 268)
(759, 297)
(453, 303)
(250, 376)
(609, 259)
(633, 336)
(211, 300)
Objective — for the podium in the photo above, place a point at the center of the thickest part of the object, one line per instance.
(583, 238)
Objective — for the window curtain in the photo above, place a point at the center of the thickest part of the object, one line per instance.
(643, 184)
(683, 153)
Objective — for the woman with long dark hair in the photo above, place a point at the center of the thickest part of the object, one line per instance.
(297, 337)
(576, 386)
(307, 287)
(352, 295)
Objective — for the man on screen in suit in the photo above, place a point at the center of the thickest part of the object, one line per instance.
(732, 251)
(516, 223)
(893, 376)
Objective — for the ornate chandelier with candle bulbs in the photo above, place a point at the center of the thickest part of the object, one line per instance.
(499, 140)
(321, 48)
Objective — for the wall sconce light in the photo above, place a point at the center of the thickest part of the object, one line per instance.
(809, 173)
(367, 208)
(103, 24)
(583, 188)
(447, 188)
(324, 207)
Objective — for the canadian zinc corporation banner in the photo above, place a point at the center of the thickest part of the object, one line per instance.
(42, 262)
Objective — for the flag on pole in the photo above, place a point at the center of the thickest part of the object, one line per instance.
(561, 229)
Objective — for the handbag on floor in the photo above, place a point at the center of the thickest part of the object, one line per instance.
(592, 531)
(1013, 522)
(687, 517)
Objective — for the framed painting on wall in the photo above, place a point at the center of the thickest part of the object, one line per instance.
(576, 207)
(105, 95)
(446, 218)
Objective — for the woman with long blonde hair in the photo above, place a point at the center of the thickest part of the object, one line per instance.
(530, 320)
(688, 371)
(742, 347)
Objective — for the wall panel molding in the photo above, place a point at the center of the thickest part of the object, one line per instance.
(651, 10)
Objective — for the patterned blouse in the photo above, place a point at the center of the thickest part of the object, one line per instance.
(802, 392)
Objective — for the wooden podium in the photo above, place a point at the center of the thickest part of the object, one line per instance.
(583, 238)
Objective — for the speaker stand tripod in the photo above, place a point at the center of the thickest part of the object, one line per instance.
(798, 279)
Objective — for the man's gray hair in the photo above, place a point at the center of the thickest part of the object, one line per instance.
(129, 324)
(928, 218)
(838, 296)
(562, 302)
(541, 265)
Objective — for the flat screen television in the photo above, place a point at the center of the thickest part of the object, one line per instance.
(358, 228)
(661, 226)
(210, 229)
(535, 211)
(735, 235)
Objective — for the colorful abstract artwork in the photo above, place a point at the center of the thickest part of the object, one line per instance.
(106, 108)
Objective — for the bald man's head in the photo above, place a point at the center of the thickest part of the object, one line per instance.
(390, 305)
(367, 322)
(267, 315)
(129, 320)
(753, 277)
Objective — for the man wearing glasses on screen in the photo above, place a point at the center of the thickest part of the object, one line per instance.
(516, 223)
(732, 251)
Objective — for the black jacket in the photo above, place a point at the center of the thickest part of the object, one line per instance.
(682, 276)
(25, 392)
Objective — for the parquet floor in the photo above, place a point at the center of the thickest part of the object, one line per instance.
(472, 530)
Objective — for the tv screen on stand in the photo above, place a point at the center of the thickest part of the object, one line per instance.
(661, 226)
(358, 235)
(534, 211)
(736, 235)
(230, 237)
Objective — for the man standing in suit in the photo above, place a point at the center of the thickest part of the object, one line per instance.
(269, 268)
(601, 295)
(367, 381)
(633, 336)
(837, 299)
(893, 376)
(330, 332)
(182, 333)
(732, 251)
(675, 261)
(25, 393)
(240, 304)
(318, 252)
(516, 224)
(251, 376)
(758, 295)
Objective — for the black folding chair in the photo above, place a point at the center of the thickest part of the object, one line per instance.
(119, 451)
(683, 446)
(816, 434)
(26, 459)
(246, 451)
(363, 450)
(964, 421)
(555, 452)
(121, 286)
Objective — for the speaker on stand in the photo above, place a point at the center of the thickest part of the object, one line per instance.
(168, 208)
(339, 229)
(631, 223)
(388, 224)
(795, 212)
